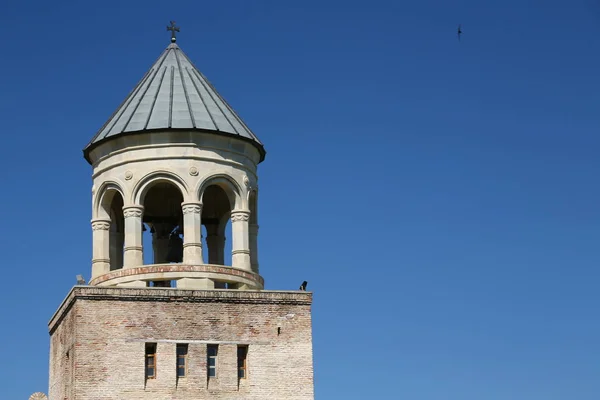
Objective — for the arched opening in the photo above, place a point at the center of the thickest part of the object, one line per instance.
(252, 205)
(228, 243)
(216, 213)
(163, 224)
(117, 232)
(111, 207)
(253, 230)
(204, 245)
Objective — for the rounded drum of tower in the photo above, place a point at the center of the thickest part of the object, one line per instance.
(170, 184)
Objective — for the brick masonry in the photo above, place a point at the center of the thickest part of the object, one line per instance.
(98, 336)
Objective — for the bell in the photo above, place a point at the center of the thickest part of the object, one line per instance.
(175, 253)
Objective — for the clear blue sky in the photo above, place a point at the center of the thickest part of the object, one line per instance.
(440, 197)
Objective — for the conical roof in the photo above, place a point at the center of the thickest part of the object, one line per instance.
(174, 95)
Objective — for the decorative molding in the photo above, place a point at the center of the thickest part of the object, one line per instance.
(100, 225)
(221, 161)
(128, 175)
(238, 216)
(96, 293)
(221, 150)
(38, 396)
(236, 342)
(191, 208)
(240, 251)
(132, 212)
(138, 272)
(193, 244)
(194, 171)
(246, 181)
(133, 248)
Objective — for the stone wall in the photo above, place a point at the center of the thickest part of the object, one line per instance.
(108, 328)
(62, 356)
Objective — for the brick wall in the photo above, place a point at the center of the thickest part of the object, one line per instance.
(108, 329)
(62, 355)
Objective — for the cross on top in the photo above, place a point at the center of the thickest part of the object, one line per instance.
(173, 29)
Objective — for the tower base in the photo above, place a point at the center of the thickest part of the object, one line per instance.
(128, 343)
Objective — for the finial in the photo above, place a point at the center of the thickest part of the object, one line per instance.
(173, 29)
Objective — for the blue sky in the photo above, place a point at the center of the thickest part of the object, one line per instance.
(440, 197)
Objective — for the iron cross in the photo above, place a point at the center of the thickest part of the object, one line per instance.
(173, 29)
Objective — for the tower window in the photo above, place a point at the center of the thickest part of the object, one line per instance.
(242, 353)
(150, 360)
(211, 362)
(182, 351)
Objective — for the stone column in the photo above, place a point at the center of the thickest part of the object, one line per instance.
(192, 233)
(215, 241)
(116, 250)
(253, 232)
(100, 247)
(134, 252)
(240, 253)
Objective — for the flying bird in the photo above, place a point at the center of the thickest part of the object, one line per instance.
(303, 286)
(459, 32)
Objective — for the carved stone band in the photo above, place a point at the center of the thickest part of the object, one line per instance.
(237, 216)
(199, 245)
(191, 208)
(240, 251)
(132, 212)
(133, 248)
(100, 225)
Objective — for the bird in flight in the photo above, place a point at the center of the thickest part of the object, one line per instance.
(459, 32)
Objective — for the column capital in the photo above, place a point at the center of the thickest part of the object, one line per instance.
(100, 224)
(133, 211)
(191, 207)
(240, 215)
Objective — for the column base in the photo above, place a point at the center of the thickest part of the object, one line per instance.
(133, 258)
(100, 267)
(195, 283)
(192, 254)
(241, 259)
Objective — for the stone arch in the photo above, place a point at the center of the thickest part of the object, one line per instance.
(109, 206)
(219, 194)
(146, 183)
(231, 188)
(162, 193)
(103, 198)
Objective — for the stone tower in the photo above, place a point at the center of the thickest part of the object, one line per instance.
(172, 161)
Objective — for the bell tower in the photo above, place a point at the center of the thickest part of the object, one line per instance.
(167, 313)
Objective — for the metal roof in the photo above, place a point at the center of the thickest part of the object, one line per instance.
(174, 95)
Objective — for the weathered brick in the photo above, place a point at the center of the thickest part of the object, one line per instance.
(104, 331)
